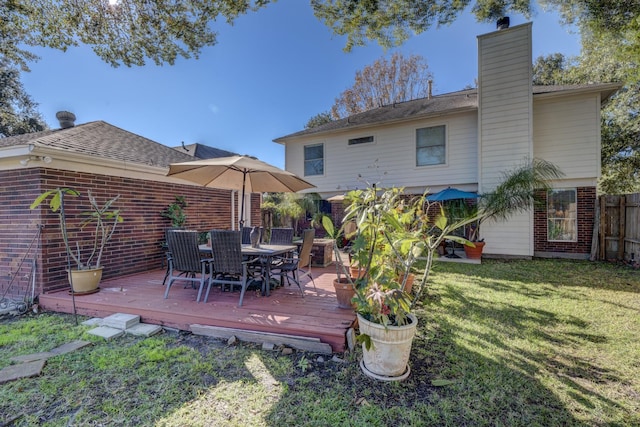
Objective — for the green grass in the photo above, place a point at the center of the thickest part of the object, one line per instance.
(521, 343)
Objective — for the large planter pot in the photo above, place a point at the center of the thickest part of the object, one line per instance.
(474, 253)
(344, 292)
(85, 281)
(388, 357)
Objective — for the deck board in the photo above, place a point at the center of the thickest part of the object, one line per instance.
(284, 312)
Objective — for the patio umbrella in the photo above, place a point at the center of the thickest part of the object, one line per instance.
(451, 193)
(239, 173)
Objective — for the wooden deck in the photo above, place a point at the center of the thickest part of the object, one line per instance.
(284, 312)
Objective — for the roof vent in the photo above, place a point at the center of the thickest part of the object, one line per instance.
(503, 23)
(66, 119)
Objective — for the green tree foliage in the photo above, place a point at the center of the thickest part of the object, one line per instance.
(130, 32)
(18, 112)
(384, 82)
(124, 32)
(319, 120)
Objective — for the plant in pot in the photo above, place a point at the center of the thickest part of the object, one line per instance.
(102, 221)
(515, 193)
(392, 233)
(344, 282)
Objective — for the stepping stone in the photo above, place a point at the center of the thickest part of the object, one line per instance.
(64, 348)
(106, 332)
(144, 329)
(121, 320)
(23, 370)
(96, 321)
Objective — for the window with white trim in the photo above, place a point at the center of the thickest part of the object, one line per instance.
(431, 146)
(314, 159)
(562, 215)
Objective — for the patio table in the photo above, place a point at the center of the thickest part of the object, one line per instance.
(264, 250)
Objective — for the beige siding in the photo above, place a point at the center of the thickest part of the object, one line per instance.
(513, 237)
(505, 127)
(567, 132)
(391, 159)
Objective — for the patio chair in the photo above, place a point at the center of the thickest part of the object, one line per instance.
(293, 268)
(281, 236)
(167, 252)
(186, 262)
(228, 266)
(246, 235)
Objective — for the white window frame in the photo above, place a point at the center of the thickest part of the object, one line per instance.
(446, 145)
(305, 160)
(567, 221)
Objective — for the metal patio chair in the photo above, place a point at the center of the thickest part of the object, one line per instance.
(228, 265)
(293, 268)
(186, 261)
(281, 236)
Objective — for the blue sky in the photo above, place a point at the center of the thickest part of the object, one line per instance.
(269, 73)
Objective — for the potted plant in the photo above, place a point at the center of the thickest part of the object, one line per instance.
(343, 283)
(515, 193)
(87, 256)
(393, 232)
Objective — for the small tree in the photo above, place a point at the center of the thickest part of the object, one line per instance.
(175, 212)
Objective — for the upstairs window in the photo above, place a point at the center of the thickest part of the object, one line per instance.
(562, 217)
(431, 146)
(363, 140)
(314, 160)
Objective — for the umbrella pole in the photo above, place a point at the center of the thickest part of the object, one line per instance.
(244, 178)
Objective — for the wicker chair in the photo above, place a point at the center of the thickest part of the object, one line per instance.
(228, 266)
(185, 262)
(281, 236)
(293, 268)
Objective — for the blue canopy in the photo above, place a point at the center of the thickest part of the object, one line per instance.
(451, 193)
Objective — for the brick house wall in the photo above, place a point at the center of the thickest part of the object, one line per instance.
(586, 200)
(136, 245)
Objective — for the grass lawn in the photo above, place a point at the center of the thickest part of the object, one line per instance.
(521, 343)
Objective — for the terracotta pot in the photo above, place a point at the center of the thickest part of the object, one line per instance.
(408, 287)
(388, 357)
(85, 281)
(474, 253)
(356, 272)
(344, 292)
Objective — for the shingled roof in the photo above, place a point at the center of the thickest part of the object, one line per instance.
(103, 140)
(201, 151)
(448, 103)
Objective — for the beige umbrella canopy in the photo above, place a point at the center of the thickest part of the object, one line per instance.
(239, 173)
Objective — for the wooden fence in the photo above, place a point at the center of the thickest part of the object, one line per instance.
(618, 234)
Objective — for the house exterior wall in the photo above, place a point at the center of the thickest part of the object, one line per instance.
(505, 116)
(391, 159)
(566, 132)
(136, 245)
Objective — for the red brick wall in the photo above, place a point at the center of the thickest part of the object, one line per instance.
(586, 199)
(136, 245)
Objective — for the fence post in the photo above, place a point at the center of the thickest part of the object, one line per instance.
(603, 228)
(622, 227)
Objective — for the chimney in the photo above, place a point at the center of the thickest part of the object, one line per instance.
(66, 119)
(429, 88)
(503, 23)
